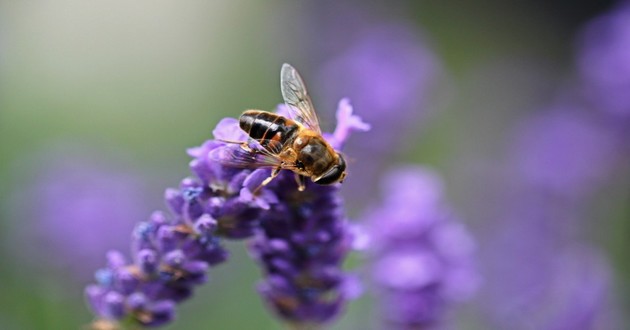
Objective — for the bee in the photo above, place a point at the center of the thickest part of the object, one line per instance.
(294, 143)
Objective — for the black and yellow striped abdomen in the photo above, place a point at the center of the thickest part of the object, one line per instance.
(263, 125)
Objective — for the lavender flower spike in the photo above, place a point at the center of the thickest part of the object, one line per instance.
(172, 254)
(421, 254)
(302, 242)
(604, 49)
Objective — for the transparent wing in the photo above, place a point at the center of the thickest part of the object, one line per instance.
(271, 147)
(296, 97)
(236, 156)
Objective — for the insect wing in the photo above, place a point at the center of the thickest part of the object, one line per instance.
(272, 147)
(296, 98)
(236, 156)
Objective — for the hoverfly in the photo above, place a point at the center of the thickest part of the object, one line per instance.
(293, 143)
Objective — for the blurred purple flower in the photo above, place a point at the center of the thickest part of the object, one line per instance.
(422, 256)
(563, 151)
(76, 206)
(604, 60)
(539, 276)
(172, 255)
(388, 71)
(302, 242)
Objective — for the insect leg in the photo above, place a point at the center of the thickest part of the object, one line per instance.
(274, 174)
(301, 181)
(231, 141)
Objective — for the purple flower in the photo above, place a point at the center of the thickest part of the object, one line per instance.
(346, 123)
(604, 61)
(539, 273)
(563, 151)
(76, 205)
(302, 241)
(421, 253)
(172, 254)
(539, 276)
(301, 245)
(388, 71)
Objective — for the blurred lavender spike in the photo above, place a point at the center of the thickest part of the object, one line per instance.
(171, 254)
(604, 61)
(422, 255)
(541, 277)
(77, 189)
(389, 72)
(564, 151)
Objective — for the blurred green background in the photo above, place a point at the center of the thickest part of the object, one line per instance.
(135, 83)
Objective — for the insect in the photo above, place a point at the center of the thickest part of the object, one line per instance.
(293, 143)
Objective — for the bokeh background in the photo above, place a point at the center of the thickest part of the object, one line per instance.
(100, 99)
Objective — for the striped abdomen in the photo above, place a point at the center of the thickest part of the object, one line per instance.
(265, 126)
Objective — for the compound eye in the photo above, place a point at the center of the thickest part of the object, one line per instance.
(334, 174)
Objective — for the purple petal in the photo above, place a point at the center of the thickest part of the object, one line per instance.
(346, 123)
(228, 130)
